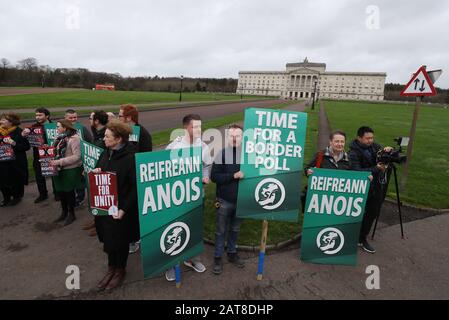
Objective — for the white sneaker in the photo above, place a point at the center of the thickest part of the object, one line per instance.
(195, 265)
(134, 247)
(170, 274)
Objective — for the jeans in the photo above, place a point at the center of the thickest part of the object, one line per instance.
(40, 180)
(227, 228)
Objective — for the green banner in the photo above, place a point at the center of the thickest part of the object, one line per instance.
(272, 160)
(134, 137)
(50, 132)
(333, 214)
(169, 189)
(90, 155)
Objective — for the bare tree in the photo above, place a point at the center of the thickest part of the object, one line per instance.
(28, 64)
(5, 63)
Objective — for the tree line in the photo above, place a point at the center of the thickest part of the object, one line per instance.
(28, 72)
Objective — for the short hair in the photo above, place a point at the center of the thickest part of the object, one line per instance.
(336, 132)
(235, 126)
(362, 130)
(186, 120)
(67, 125)
(101, 116)
(43, 110)
(14, 118)
(70, 111)
(119, 129)
(130, 110)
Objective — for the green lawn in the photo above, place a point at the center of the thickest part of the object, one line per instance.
(429, 168)
(99, 98)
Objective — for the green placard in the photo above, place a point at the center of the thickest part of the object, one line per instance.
(169, 189)
(333, 214)
(272, 159)
(50, 132)
(134, 137)
(90, 155)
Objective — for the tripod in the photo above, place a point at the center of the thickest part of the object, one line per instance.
(398, 203)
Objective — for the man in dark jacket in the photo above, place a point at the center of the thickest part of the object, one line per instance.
(129, 114)
(37, 130)
(226, 174)
(98, 121)
(363, 157)
(72, 116)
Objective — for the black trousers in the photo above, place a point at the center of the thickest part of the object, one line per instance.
(67, 201)
(118, 258)
(40, 180)
(372, 210)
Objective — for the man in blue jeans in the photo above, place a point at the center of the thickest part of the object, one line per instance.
(226, 174)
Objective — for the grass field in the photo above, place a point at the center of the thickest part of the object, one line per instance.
(103, 98)
(429, 168)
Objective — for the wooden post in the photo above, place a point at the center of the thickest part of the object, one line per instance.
(263, 244)
(410, 144)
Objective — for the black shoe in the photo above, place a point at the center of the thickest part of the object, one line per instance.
(4, 203)
(235, 259)
(367, 247)
(62, 217)
(14, 201)
(218, 266)
(41, 198)
(70, 218)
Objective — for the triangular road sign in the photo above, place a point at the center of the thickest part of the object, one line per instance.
(419, 85)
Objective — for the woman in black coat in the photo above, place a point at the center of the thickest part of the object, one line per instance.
(333, 157)
(13, 173)
(117, 232)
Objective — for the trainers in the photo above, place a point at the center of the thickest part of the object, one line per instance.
(134, 247)
(235, 260)
(170, 274)
(195, 265)
(218, 265)
(41, 198)
(367, 247)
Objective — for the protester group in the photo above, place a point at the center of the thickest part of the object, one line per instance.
(119, 232)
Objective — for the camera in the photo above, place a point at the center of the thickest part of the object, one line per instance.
(393, 156)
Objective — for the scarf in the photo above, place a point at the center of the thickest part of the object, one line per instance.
(6, 132)
(61, 143)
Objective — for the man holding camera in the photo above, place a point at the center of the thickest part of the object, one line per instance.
(363, 157)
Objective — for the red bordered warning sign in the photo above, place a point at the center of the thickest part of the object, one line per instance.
(419, 85)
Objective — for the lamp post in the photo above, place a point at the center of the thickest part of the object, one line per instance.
(180, 91)
(313, 97)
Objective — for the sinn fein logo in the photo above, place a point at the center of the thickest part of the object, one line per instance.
(270, 193)
(175, 238)
(330, 240)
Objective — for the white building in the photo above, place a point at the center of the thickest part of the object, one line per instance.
(298, 81)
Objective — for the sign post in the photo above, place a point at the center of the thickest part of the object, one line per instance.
(419, 86)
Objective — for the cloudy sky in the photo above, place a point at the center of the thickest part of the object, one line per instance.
(217, 38)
